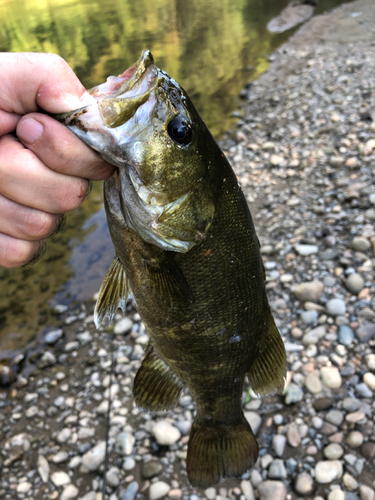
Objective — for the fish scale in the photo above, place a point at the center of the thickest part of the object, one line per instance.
(188, 254)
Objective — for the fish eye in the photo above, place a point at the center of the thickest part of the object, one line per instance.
(179, 130)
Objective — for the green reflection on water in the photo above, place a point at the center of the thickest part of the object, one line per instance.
(206, 46)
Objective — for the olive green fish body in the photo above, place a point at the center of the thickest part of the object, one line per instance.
(187, 253)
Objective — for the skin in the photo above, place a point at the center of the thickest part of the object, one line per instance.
(46, 172)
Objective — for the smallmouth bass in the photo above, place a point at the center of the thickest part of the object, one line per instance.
(188, 255)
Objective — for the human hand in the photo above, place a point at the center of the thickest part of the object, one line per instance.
(47, 171)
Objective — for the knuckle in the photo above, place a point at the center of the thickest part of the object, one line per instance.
(40, 224)
(74, 195)
(16, 253)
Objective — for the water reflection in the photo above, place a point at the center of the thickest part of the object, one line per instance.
(207, 46)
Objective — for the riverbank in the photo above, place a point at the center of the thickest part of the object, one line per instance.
(304, 154)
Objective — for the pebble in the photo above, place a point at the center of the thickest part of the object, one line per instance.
(309, 292)
(53, 336)
(47, 359)
(124, 443)
(354, 439)
(366, 493)
(369, 380)
(313, 383)
(277, 470)
(69, 492)
(158, 490)
(366, 332)
(306, 250)
(336, 494)
(94, 458)
(354, 283)
(331, 377)
(349, 482)
(313, 336)
(254, 419)
(292, 435)
(43, 468)
(327, 471)
(278, 444)
(123, 326)
(346, 335)
(335, 417)
(272, 490)
(304, 484)
(247, 490)
(336, 307)
(151, 469)
(333, 451)
(363, 391)
(130, 492)
(60, 478)
(165, 433)
(360, 244)
(24, 487)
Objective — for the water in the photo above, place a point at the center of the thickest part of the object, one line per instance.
(212, 48)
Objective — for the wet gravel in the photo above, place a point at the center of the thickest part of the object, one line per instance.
(304, 153)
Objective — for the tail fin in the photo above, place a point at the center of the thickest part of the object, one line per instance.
(215, 453)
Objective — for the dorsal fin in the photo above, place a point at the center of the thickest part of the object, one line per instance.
(112, 294)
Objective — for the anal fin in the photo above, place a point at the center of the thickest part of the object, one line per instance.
(268, 371)
(156, 387)
(112, 294)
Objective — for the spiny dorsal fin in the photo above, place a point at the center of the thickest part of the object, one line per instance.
(268, 371)
(156, 387)
(112, 294)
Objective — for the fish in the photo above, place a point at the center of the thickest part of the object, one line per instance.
(188, 255)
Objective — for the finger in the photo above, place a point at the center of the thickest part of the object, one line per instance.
(30, 80)
(15, 252)
(60, 149)
(8, 122)
(26, 223)
(25, 179)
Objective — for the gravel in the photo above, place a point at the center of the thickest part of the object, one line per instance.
(304, 153)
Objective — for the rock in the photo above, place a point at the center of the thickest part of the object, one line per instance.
(293, 394)
(360, 244)
(60, 478)
(53, 336)
(7, 375)
(158, 490)
(313, 336)
(151, 469)
(309, 292)
(304, 484)
(351, 404)
(333, 451)
(130, 492)
(210, 493)
(277, 470)
(368, 450)
(165, 433)
(327, 471)
(43, 468)
(123, 326)
(349, 482)
(275, 160)
(369, 380)
(331, 377)
(306, 250)
(354, 283)
(254, 420)
(354, 439)
(336, 494)
(313, 383)
(336, 307)
(94, 458)
(363, 390)
(47, 359)
(64, 435)
(69, 492)
(272, 490)
(335, 417)
(124, 443)
(322, 404)
(24, 487)
(113, 478)
(346, 335)
(353, 418)
(293, 14)
(336, 161)
(278, 444)
(247, 490)
(366, 493)
(310, 317)
(292, 435)
(366, 332)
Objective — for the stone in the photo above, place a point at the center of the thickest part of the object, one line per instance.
(254, 419)
(69, 492)
(335, 417)
(351, 404)
(336, 307)
(331, 377)
(113, 478)
(151, 469)
(313, 383)
(336, 161)
(123, 326)
(47, 359)
(94, 458)
(130, 492)
(247, 490)
(369, 380)
(24, 487)
(53, 336)
(310, 317)
(366, 332)
(354, 439)
(165, 433)
(43, 468)
(366, 493)
(360, 244)
(272, 490)
(322, 404)
(256, 478)
(354, 283)
(210, 493)
(306, 250)
(349, 482)
(292, 435)
(356, 416)
(363, 390)
(60, 478)
(346, 335)
(336, 494)
(277, 470)
(313, 336)
(158, 490)
(327, 471)
(309, 292)
(333, 451)
(124, 443)
(304, 483)
(278, 444)
(368, 450)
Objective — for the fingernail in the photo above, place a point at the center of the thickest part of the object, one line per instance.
(29, 130)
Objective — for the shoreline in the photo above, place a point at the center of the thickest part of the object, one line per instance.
(305, 154)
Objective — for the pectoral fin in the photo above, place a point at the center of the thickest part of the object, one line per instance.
(268, 371)
(112, 294)
(156, 387)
